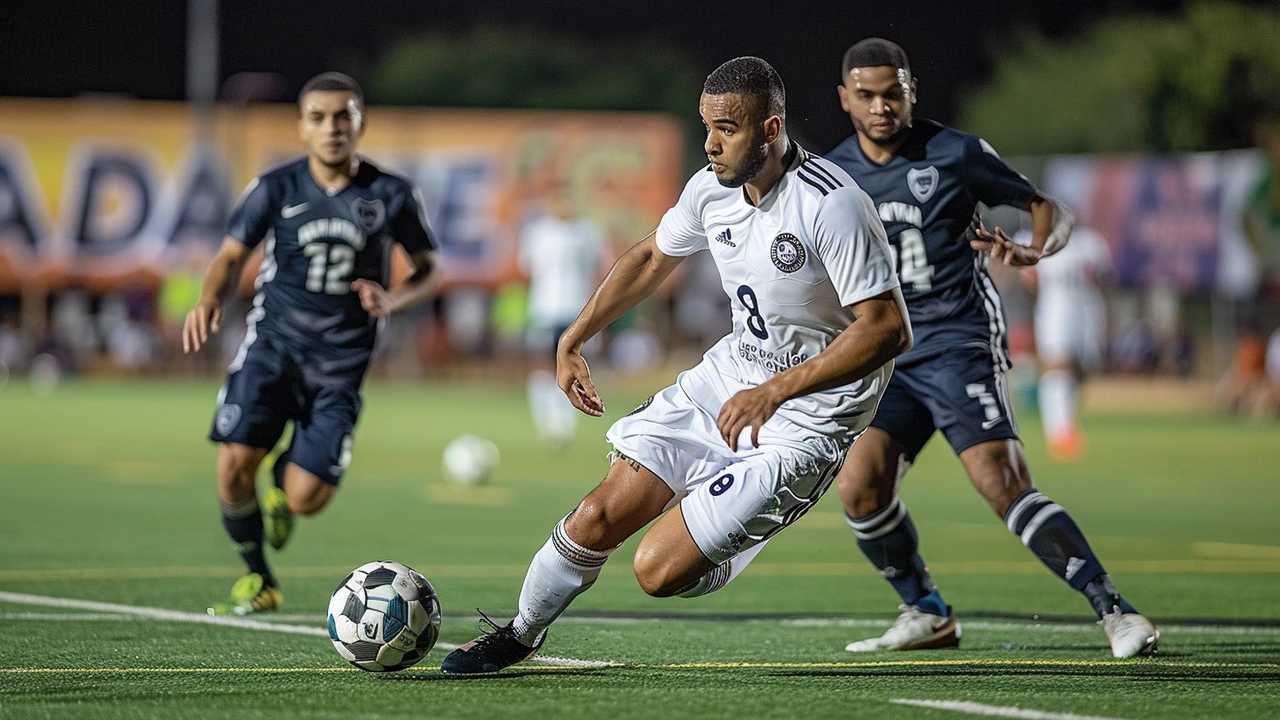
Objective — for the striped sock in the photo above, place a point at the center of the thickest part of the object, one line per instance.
(243, 522)
(725, 572)
(561, 571)
(888, 538)
(1049, 532)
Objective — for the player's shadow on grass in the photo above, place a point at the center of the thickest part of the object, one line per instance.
(438, 676)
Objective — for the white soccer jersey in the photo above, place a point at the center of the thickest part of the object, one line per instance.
(791, 266)
(562, 258)
(1074, 271)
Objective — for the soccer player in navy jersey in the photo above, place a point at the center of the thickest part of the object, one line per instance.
(926, 181)
(328, 221)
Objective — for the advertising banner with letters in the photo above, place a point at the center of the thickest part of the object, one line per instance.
(101, 194)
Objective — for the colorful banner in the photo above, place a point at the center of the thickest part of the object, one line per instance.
(1173, 220)
(106, 194)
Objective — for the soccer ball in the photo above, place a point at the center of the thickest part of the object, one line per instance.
(384, 616)
(470, 460)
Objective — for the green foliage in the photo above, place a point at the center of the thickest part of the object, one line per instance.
(513, 67)
(1198, 81)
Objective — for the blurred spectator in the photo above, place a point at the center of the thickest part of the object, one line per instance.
(16, 349)
(562, 254)
(1134, 350)
(73, 333)
(1246, 389)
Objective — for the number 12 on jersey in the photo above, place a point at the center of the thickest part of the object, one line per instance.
(909, 257)
(330, 268)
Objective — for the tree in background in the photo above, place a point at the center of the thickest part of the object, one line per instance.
(514, 67)
(1192, 82)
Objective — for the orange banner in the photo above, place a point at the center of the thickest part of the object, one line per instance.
(104, 194)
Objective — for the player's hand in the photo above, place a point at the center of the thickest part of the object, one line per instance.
(202, 321)
(574, 378)
(1002, 247)
(373, 298)
(747, 408)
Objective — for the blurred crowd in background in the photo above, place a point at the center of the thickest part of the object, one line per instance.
(110, 209)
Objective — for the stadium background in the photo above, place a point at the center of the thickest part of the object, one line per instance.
(127, 133)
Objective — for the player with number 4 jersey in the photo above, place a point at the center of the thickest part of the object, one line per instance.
(926, 181)
(327, 223)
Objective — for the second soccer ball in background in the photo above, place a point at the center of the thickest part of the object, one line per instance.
(470, 460)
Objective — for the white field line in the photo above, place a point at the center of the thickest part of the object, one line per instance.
(111, 609)
(279, 619)
(973, 708)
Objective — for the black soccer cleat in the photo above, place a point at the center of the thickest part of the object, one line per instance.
(494, 650)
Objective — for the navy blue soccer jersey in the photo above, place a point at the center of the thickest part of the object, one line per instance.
(927, 195)
(317, 243)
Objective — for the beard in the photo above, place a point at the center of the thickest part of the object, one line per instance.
(749, 167)
(893, 137)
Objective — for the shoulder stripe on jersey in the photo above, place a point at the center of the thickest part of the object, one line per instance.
(805, 173)
(815, 166)
(821, 188)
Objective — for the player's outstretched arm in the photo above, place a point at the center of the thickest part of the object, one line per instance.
(206, 317)
(421, 285)
(1051, 222)
(635, 276)
(879, 333)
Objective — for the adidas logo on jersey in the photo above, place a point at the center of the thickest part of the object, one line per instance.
(726, 237)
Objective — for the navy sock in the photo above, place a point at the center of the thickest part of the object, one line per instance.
(243, 522)
(1049, 532)
(888, 538)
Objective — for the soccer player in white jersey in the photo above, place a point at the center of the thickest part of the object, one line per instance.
(560, 252)
(746, 442)
(1070, 330)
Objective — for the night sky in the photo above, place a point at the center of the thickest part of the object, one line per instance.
(136, 47)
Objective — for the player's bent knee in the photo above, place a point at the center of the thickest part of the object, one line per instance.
(310, 502)
(588, 524)
(656, 575)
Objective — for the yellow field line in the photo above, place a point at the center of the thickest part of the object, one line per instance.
(976, 567)
(976, 662)
(1235, 551)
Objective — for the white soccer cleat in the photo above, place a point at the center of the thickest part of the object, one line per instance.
(913, 630)
(1130, 634)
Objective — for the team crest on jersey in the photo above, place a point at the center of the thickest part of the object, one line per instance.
(787, 253)
(369, 213)
(228, 418)
(923, 183)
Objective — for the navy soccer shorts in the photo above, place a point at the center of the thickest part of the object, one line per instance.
(269, 385)
(962, 392)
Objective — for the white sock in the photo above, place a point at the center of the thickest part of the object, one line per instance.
(725, 572)
(1057, 401)
(561, 571)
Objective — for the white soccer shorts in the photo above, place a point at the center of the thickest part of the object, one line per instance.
(730, 500)
(1074, 331)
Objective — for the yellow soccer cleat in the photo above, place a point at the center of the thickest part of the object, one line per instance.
(250, 594)
(277, 518)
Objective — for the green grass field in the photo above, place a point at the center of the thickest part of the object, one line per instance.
(107, 498)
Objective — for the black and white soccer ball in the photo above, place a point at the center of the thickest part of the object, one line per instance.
(384, 616)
